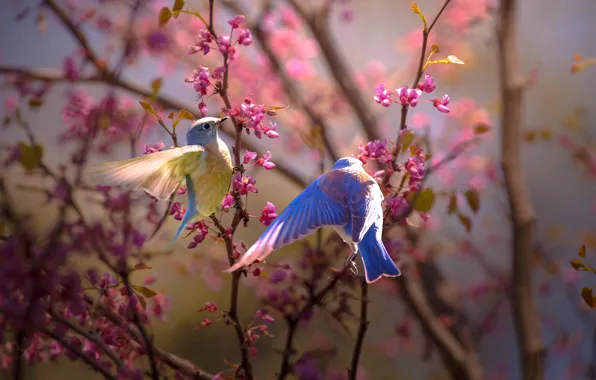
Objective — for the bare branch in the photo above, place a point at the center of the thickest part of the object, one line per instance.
(526, 319)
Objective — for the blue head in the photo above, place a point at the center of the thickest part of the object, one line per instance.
(346, 162)
(204, 131)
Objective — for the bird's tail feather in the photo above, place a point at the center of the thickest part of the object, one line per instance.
(376, 259)
(191, 210)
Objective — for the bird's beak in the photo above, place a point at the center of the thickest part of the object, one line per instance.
(222, 120)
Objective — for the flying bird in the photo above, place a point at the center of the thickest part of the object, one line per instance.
(204, 165)
(347, 198)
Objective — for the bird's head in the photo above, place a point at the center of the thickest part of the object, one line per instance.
(346, 162)
(204, 130)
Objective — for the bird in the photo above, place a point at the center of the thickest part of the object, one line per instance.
(204, 165)
(347, 198)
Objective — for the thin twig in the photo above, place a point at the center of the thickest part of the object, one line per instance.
(362, 327)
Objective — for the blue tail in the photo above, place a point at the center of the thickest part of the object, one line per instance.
(191, 209)
(375, 257)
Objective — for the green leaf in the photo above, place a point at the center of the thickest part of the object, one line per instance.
(148, 107)
(406, 139)
(424, 200)
(452, 204)
(465, 221)
(156, 85)
(589, 297)
(164, 16)
(30, 156)
(185, 114)
(473, 199)
(577, 264)
(196, 14)
(145, 291)
(178, 5)
(582, 251)
(480, 129)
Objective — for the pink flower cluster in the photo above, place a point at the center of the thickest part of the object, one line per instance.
(375, 150)
(407, 96)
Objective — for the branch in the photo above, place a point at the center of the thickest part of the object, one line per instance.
(77, 352)
(364, 322)
(526, 319)
(51, 75)
(336, 64)
(461, 364)
(291, 89)
(184, 366)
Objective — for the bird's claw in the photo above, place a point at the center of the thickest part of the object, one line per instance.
(351, 263)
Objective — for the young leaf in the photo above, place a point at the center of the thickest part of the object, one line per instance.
(141, 266)
(424, 201)
(30, 156)
(406, 139)
(148, 107)
(178, 5)
(473, 199)
(145, 291)
(164, 16)
(171, 115)
(577, 264)
(454, 59)
(588, 297)
(582, 251)
(185, 114)
(156, 85)
(417, 11)
(35, 102)
(452, 204)
(465, 221)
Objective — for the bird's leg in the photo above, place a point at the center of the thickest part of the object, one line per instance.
(351, 261)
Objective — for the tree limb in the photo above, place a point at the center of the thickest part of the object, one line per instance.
(526, 319)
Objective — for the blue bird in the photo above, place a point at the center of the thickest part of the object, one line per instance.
(347, 198)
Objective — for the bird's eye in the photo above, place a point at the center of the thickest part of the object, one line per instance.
(206, 126)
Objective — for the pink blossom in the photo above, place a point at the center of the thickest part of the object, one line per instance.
(227, 202)
(408, 95)
(236, 21)
(244, 184)
(375, 150)
(441, 104)
(264, 161)
(268, 214)
(152, 148)
(383, 96)
(245, 37)
(299, 69)
(160, 304)
(200, 78)
(249, 156)
(396, 205)
(202, 42)
(218, 72)
(428, 85)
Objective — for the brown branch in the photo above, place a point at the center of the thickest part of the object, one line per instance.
(461, 364)
(525, 313)
(51, 75)
(184, 366)
(291, 89)
(77, 352)
(363, 326)
(336, 63)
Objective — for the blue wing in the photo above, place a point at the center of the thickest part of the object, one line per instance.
(313, 208)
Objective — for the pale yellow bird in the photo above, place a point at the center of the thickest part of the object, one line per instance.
(204, 164)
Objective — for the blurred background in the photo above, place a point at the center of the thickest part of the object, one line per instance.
(377, 42)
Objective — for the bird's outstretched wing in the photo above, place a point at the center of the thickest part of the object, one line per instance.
(157, 173)
(315, 207)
